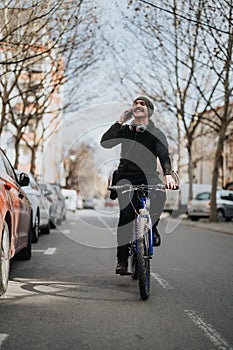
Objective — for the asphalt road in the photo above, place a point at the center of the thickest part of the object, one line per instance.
(68, 297)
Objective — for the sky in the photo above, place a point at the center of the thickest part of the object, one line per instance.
(106, 90)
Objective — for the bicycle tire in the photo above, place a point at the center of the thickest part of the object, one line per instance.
(134, 263)
(143, 261)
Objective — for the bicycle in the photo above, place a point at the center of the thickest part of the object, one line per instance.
(141, 245)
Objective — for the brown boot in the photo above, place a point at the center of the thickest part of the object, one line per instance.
(122, 260)
(122, 268)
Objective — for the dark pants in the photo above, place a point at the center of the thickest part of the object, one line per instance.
(129, 203)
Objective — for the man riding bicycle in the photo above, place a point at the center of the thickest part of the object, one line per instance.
(141, 145)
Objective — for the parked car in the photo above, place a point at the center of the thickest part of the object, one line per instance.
(51, 195)
(40, 207)
(200, 206)
(61, 207)
(71, 199)
(177, 201)
(15, 219)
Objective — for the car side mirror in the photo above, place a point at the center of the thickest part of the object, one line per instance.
(23, 180)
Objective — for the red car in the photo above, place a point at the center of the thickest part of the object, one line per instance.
(15, 219)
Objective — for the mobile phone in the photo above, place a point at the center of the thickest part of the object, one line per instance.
(129, 115)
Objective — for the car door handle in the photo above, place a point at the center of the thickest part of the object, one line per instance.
(21, 196)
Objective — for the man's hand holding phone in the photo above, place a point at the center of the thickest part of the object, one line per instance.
(126, 115)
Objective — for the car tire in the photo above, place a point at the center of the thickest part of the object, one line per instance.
(52, 223)
(36, 226)
(220, 215)
(46, 230)
(194, 218)
(4, 258)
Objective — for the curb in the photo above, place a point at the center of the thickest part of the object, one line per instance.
(224, 227)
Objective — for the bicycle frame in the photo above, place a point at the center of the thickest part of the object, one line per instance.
(143, 212)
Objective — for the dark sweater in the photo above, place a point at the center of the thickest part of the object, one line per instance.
(139, 151)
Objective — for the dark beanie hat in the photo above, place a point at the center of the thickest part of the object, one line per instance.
(149, 104)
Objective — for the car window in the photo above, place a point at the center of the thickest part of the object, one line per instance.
(228, 197)
(203, 196)
(8, 167)
(2, 164)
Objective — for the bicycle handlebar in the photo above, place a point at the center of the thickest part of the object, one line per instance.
(128, 187)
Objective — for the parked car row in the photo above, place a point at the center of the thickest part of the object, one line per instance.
(40, 207)
(57, 210)
(27, 209)
(200, 206)
(74, 201)
(16, 220)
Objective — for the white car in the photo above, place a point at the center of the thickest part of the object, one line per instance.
(200, 206)
(71, 199)
(40, 207)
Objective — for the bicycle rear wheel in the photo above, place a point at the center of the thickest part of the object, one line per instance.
(143, 261)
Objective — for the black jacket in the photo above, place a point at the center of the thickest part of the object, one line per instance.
(139, 151)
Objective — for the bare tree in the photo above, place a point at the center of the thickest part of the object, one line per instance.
(35, 39)
(173, 52)
(219, 42)
(177, 36)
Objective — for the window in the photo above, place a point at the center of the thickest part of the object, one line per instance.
(228, 197)
(8, 168)
(2, 164)
(203, 196)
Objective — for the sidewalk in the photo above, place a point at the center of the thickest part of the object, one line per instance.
(221, 227)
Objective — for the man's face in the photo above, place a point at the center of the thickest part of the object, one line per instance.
(140, 109)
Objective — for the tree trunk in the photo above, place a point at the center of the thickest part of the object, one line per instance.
(190, 170)
(215, 175)
(33, 160)
(16, 163)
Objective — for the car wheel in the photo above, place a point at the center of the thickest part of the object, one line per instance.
(194, 218)
(46, 229)
(52, 223)
(220, 215)
(4, 258)
(35, 235)
(59, 221)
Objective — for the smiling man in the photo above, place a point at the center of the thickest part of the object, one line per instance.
(142, 144)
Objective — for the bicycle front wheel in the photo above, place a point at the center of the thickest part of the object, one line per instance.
(143, 261)
(134, 263)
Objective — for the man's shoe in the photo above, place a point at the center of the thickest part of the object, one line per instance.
(156, 238)
(122, 268)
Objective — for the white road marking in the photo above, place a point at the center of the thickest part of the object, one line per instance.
(104, 222)
(3, 337)
(50, 251)
(66, 232)
(163, 283)
(210, 332)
